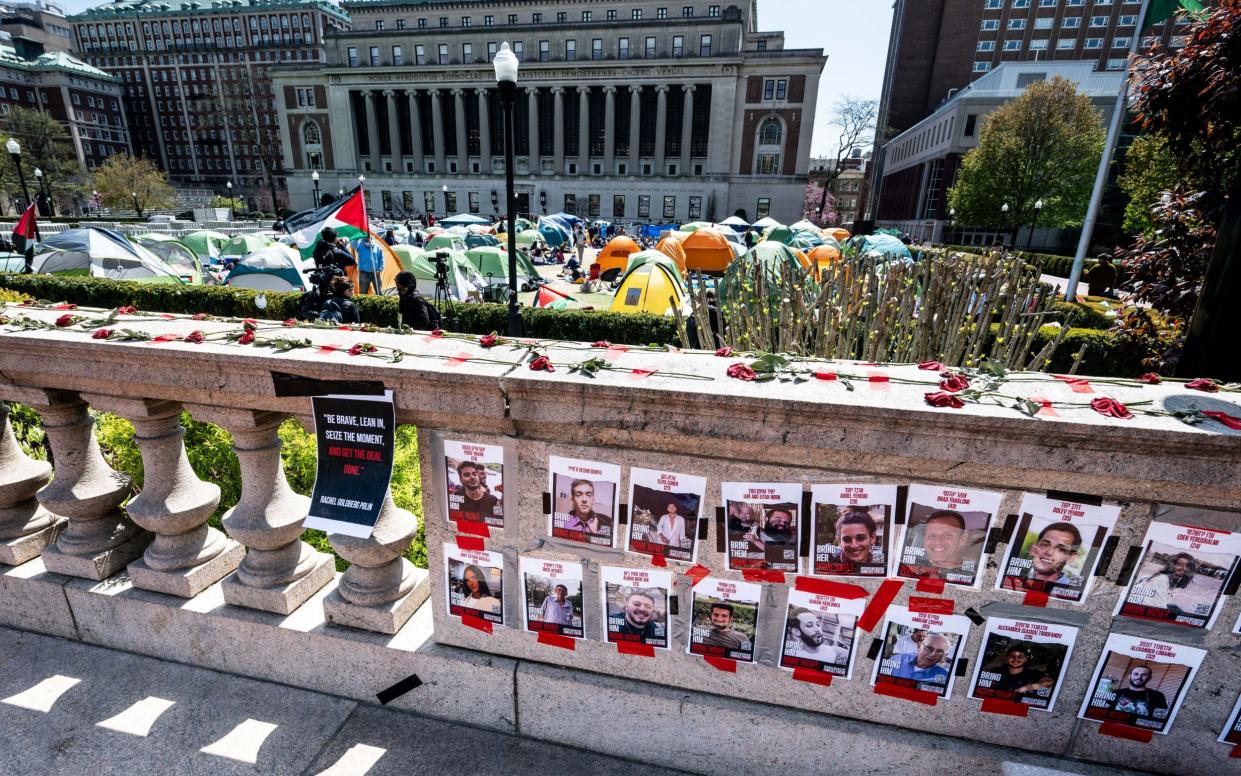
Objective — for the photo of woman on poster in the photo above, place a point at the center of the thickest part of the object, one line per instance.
(475, 583)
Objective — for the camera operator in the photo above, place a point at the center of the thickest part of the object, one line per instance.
(331, 251)
(339, 307)
(416, 311)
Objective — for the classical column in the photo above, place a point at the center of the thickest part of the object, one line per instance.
(280, 571)
(437, 131)
(635, 129)
(99, 539)
(415, 131)
(484, 131)
(558, 128)
(463, 150)
(532, 127)
(394, 130)
(661, 126)
(583, 128)
(26, 528)
(687, 128)
(186, 556)
(372, 128)
(609, 136)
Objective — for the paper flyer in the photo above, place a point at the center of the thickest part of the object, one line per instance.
(1140, 682)
(584, 500)
(762, 525)
(1055, 548)
(1181, 576)
(356, 444)
(1022, 661)
(552, 594)
(475, 583)
(945, 533)
(920, 650)
(724, 619)
(474, 480)
(635, 606)
(820, 633)
(664, 510)
(852, 528)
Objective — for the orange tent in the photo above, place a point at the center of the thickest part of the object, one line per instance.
(823, 258)
(392, 265)
(840, 234)
(706, 250)
(614, 257)
(671, 247)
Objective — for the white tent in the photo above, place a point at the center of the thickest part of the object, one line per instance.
(101, 253)
(804, 224)
(737, 222)
(464, 219)
(763, 223)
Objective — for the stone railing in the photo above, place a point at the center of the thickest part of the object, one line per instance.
(189, 588)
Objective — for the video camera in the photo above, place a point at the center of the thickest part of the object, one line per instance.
(441, 267)
(320, 277)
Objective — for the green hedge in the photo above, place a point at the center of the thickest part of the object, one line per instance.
(1081, 315)
(1048, 263)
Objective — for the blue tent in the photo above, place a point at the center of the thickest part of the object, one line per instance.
(886, 245)
(557, 229)
(654, 230)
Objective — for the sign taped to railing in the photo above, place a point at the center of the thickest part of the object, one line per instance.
(356, 437)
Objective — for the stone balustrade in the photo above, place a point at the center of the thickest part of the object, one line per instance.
(640, 408)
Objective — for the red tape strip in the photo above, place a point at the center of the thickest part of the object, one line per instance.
(930, 585)
(474, 528)
(879, 604)
(828, 587)
(878, 381)
(907, 694)
(931, 605)
(813, 677)
(1076, 384)
(556, 640)
(477, 623)
(469, 542)
(697, 572)
(721, 663)
(659, 560)
(638, 374)
(1000, 706)
(629, 648)
(1117, 730)
(1230, 422)
(613, 352)
(763, 575)
(456, 360)
(1036, 598)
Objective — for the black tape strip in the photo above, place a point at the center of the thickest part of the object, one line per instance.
(703, 526)
(721, 532)
(875, 645)
(1080, 498)
(674, 605)
(547, 503)
(902, 497)
(1010, 525)
(410, 682)
(1234, 582)
(1105, 556)
(623, 514)
(974, 616)
(805, 540)
(993, 539)
(1129, 566)
(963, 666)
(295, 385)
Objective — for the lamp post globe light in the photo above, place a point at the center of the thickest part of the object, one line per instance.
(232, 206)
(506, 77)
(444, 189)
(15, 153)
(1038, 208)
(314, 176)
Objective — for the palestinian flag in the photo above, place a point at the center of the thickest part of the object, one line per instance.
(547, 297)
(1162, 10)
(346, 215)
(24, 236)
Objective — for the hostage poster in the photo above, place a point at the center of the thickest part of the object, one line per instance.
(920, 650)
(1022, 661)
(945, 532)
(584, 500)
(1182, 575)
(356, 441)
(762, 525)
(475, 583)
(1140, 682)
(1055, 547)
(474, 481)
(665, 508)
(724, 620)
(819, 633)
(851, 529)
(552, 597)
(635, 605)
(1231, 734)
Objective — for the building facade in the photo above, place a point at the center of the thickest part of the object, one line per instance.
(647, 111)
(197, 84)
(848, 187)
(36, 28)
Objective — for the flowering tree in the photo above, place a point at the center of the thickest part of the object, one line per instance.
(819, 197)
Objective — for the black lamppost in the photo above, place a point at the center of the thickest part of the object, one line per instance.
(15, 153)
(1038, 207)
(444, 189)
(314, 176)
(1004, 220)
(506, 76)
(232, 206)
(43, 191)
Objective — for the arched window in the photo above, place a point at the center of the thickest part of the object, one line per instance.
(310, 133)
(769, 133)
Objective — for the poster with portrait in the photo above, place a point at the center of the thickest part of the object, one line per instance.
(820, 633)
(1055, 547)
(584, 500)
(1022, 661)
(1182, 575)
(920, 650)
(1140, 682)
(1231, 734)
(945, 532)
(475, 583)
(762, 525)
(474, 479)
(664, 509)
(552, 597)
(635, 606)
(724, 620)
(851, 528)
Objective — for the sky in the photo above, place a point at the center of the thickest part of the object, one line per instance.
(853, 34)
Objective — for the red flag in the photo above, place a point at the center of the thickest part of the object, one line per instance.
(24, 235)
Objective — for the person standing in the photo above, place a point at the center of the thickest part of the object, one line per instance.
(370, 264)
(416, 312)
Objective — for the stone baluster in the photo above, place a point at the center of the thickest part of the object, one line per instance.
(26, 528)
(186, 556)
(99, 539)
(280, 571)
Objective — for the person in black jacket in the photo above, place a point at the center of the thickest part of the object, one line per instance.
(416, 311)
(339, 307)
(330, 252)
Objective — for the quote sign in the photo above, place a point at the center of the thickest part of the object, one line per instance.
(356, 442)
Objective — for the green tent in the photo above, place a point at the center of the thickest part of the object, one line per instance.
(492, 264)
(206, 244)
(528, 237)
(176, 253)
(694, 226)
(651, 257)
(463, 280)
(769, 255)
(805, 240)
(245, 244)
(445, 241)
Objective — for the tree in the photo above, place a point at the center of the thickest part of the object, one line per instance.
(128, 183)
(855, 120)
(1150, 170)
(1043, 147)
(250, 125)
(45, 146)
(817, 196)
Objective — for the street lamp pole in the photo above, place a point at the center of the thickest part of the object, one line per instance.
(43, 191)
(1038, 207)
(314, 176)
(1004, 218)
(232, 206)
(15, 153)
(506, 76)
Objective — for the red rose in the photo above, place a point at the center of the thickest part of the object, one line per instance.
(941, 399)
(199, 316)
(65, 320)
(127, 310)
(101, 334)
(601, 344)
(437, 333)
(250, 321)
(246, 338)
(954, 382)
(1111, 408)
(740, 371)
(488, 340)
(249, 324)
(1204, 384)
(542, 364)
(195, 337)
(1151, 378)
(356, 349)
(930, 366)
(724, 352)
(290, 322)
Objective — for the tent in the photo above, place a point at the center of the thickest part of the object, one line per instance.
(387, 277)
(823, 258)
(839, 234)
(555, 234)
(805, 240)
(671, 247)
(780, 234)
(650, 287)
(274, 268)
(244, 244)
(764, 223)
(655, 230)
(885, 245)
(804, 224)
(206, 244)
(768, 254)
(521, 224)
(464, 282)
(100, 253)
(464, 219)
(474, 240)
(528, 238)
(445, 241)
(651, 257)
(175, 253)
(694, 226)
(492, 264)
(546, 296)
(736, 223)
(615, 257)
(706, 250)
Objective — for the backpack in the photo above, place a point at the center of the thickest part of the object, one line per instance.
(331, 312)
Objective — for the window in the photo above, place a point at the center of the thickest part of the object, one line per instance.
(596, 48)
(586, 16)
(1098, 21)
(400, 24)
(769, 89)
(570, 50)
(512, 18)
(611, 16)
(678, 46)
(644, 206)
(989, 25)
(352, 52)
(467, 53)
(422, 25)
(444, 23)
(704, 45)
(1016, 24)
(420, 53)
(1122, 42)
(1066, 44)
(1046, 3)
(443, 52)
(592, 205)
(374, 55)
(466, 21)
(986, 45)
(713, 10)
(1094, 43)
(1038, 45)
(450, 201)
(1127, 21)
(769, 133)
(1021, 4)
(545, 50)
(991, 5)
(397, 57)
(562, 17)
(982, 67)
(763, 208)
(1072, 3)
(536, 18)
(618, 206)
(1071, 22)
(661, 13)
(489, 20)
(637, 14)
(428, 201)
(622, 48)
(768, 164)
(570, 204)
(379, 24)
(670, 207)
(1117, 64)
(687, 11)
(781, 88)
(1012, 45)
(1043, 23)
(473, 197)
(519, 50)
(650, 47)
(695, 208)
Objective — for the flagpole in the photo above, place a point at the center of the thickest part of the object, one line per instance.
(1105, 163)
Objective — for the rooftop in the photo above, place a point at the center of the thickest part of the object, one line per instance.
(133, 8)
(58, 60)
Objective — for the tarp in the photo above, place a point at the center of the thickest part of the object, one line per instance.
(274, 268)
(387, 277)
(557, 229)
(706, 250)
(614, 257)
(100, 253)
(671, 247)
(651, 287)
(655, 230)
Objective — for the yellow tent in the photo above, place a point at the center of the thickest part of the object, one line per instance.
(707, 250)
(649, 288)
(671, 247)
(392, 265)
(615, 257)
